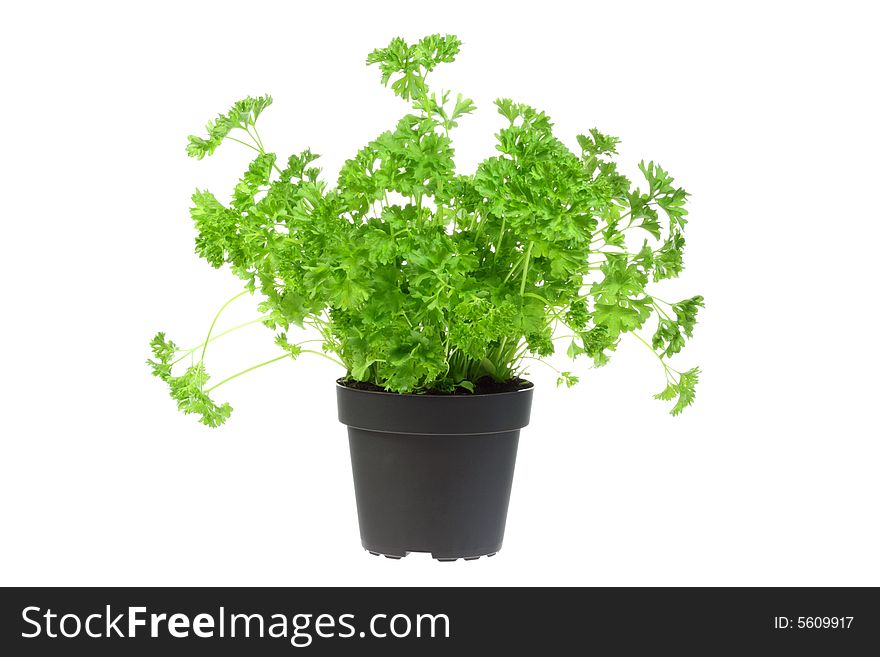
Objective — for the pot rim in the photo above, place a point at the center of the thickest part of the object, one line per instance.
(524, 388)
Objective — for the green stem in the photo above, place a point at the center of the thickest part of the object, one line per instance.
(551, 309)
(257, 139)
(210, 330)
(540, 360)
(520, 353)
(259, 142)
(321, 353)
(500, 238)
(218, 336)
(244, 143)
(666, 367)
(250, 369)
(522, 285)
(661, 311)
(513, 270)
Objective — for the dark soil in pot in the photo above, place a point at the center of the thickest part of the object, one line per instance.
(485, 386)
(433, 472)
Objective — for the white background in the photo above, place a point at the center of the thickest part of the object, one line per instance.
(765, 112)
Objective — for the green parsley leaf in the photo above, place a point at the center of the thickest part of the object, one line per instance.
(684, 389)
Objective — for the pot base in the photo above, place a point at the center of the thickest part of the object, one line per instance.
(433, 556)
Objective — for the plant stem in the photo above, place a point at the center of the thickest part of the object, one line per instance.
(259, 142)
(513, 270)
(321, 353)
(661, 311)
(244, 143)
(666, 367)
(642, 340)
(257, 139)
(218, 336)
(249, 369)
(541, 360)
(222, 308)
(522, 285)
(551, 309)
(500, 237)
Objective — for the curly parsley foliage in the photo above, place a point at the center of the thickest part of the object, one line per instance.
(242, 116)
(188, 389)
(419, 278)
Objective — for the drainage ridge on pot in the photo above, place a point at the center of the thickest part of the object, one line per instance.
(433, 473)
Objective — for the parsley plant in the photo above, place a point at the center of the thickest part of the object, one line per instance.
(419, 278)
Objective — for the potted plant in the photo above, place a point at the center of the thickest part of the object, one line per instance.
(433, 290)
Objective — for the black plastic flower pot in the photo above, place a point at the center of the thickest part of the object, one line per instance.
(433, 473)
